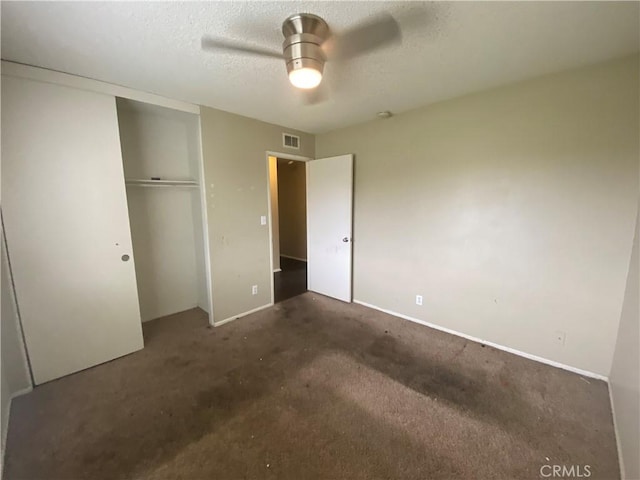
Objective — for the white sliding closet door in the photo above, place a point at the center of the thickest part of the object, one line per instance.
(67, 226)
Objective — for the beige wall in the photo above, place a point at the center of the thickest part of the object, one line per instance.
(236, 182)
(625, 372)
(511, 211)
(292, 201)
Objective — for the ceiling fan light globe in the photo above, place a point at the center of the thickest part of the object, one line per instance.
(305, 78)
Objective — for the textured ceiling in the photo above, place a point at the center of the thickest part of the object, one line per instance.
(448, 49)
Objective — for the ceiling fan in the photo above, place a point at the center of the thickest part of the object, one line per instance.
(309, 43)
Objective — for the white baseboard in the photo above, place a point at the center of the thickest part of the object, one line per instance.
(615, 429)
(6, 430)
(235, 317)
(19, 393)
(579, 371)
(2, 450)
(3, 441)
(277, 270)
(294, 258)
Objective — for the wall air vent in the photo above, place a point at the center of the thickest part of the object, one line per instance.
(291, 141)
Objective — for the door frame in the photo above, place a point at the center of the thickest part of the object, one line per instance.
(204, 218)
(285, 156)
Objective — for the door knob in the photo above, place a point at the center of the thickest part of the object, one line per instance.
(345, 239)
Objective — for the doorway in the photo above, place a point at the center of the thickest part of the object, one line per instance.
(327, 204)
(289, 227)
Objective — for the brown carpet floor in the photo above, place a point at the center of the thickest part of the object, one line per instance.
(311, 388)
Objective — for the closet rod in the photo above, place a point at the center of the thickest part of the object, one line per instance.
(161, 183)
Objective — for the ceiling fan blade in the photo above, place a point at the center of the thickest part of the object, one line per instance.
(213, 43)
(377, 32)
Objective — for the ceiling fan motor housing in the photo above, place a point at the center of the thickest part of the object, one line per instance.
(304, 35)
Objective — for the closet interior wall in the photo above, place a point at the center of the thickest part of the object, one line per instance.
(166, 218)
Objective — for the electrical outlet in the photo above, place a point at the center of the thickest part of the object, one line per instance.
(254, 290)
(559, 337)
(263, 220)
(418, 299)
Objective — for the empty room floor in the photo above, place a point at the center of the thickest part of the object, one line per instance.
(310, 388)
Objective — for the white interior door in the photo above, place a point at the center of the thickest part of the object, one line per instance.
(67, 226)
(329, 224)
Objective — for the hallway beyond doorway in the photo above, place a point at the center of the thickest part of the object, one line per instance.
(291, 281)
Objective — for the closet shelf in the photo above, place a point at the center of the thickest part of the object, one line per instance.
(144, 182)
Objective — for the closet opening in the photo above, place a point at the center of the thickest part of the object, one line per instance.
(163, 168)
(287, 179)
